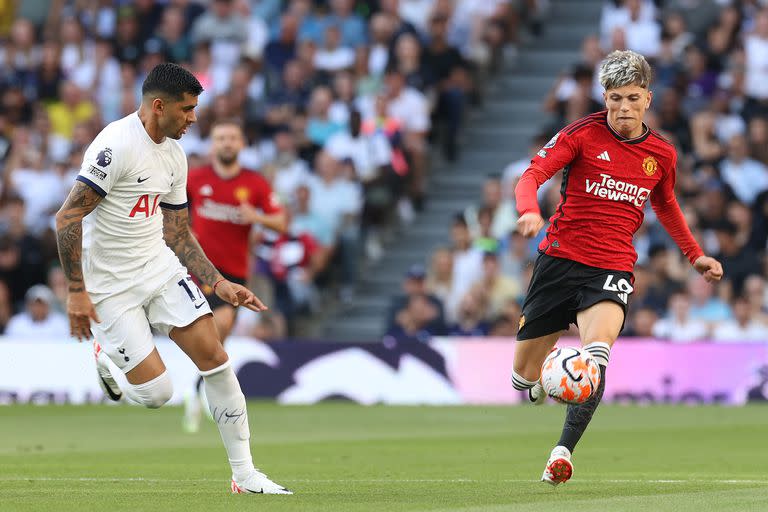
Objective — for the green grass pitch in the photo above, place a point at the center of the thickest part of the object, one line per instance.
(339, 457)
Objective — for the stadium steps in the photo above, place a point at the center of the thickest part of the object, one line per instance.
(496, 134)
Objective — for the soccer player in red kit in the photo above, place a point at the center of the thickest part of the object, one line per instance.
(225, 202)
(613, 164)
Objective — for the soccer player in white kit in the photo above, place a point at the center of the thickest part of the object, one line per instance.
(125, 246)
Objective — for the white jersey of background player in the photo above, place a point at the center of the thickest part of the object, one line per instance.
(125, 247)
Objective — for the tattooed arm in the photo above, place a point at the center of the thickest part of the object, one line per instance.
(81, 201)
(181, 241)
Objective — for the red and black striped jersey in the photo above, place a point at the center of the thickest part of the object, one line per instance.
(607, 181)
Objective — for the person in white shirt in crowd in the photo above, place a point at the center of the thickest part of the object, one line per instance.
(504, 213)
(467, 266)
(287, 171)
(643, 35)
(39, 320)
(331, 56)
(28, 174)
(678, 326)
(381, 30)
(411, 108)
(621, 14)
(743, 328)
(339, 200)
(344, 97)
(370, 153)
(756, 57)
(756, 293)
(226, 31)
(746, 177)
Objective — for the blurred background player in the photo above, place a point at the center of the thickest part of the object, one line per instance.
(226, 201)
(135, 252)
(613, 164)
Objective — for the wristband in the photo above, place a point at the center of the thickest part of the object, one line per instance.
(217, 284)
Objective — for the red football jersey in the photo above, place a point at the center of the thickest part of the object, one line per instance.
(607, 180)
(216, 222)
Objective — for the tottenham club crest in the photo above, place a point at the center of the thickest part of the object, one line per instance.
(104, 158)
(649, 166)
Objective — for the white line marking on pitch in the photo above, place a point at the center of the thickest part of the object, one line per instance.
(372, 480)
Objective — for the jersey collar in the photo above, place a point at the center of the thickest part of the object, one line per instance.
(634, 140)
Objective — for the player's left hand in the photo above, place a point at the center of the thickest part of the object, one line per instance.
(239, 295)
(710, 268)
(249, 214)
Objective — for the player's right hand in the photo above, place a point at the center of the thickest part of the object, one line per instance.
(81, 311)
(239, 295)
(529, 224)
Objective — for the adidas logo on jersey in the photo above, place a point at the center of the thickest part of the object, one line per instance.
(604, 156)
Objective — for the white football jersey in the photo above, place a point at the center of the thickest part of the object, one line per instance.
(123, 237)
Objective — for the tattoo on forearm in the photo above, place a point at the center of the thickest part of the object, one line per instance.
(179, 238)
(81, 201)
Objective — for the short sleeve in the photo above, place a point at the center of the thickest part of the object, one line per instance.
(176, 199)
(103, 164)
(268, 200)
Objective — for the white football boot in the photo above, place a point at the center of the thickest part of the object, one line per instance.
(257, 483)
(106, 380)
(537, 395)
(559, 466)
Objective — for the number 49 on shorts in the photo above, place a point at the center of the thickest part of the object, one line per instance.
(622, 287)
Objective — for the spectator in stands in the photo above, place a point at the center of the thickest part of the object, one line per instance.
(320, 126)
(371, 156)
(414, 284)
(641, 323)
(286, 171)
(338, 199)
(746, 177)
(677, 325)
(471, 315)
(411, 109)
(497, 287)
(467, 265)
(172, 34)
(305, 220)
(39, 319)
(756, 293)
(500, 206)
(737, 261)
(332, 56)
(705, 306)
(413, 322)
(743, 327)
(72, 108)
(756, 60)
(6, 306)
(440, 274)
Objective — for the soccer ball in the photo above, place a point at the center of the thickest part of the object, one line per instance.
(570, 375)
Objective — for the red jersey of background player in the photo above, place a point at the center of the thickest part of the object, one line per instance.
(216, 221)
(607, 180)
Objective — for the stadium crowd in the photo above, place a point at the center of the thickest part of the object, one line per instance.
(342, 102)
(710, 61)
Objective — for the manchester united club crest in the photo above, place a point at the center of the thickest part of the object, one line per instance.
(649, 165)
(242, 194)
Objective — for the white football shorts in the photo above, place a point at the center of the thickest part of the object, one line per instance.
(129, 319)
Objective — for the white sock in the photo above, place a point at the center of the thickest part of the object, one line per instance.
(600, 350)
(520, 383)
(227, 404)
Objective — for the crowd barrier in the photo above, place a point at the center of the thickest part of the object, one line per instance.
(446, 371)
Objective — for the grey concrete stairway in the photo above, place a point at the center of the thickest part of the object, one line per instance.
(496, 134)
